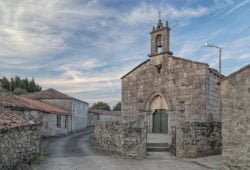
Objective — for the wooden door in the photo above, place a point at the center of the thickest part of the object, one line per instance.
(164, 121)
(160, 121)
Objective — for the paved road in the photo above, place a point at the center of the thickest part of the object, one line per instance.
(74, 152)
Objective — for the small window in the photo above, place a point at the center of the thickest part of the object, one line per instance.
(158, 67)
(58, 121)
(66, 122)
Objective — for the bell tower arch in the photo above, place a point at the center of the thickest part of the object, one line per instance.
(160, 39)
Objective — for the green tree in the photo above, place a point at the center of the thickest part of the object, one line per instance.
(117, 107)
(5, 84)
(17, 82)
(18, 85)
(19, 91)
(32, 86)
(101, 106)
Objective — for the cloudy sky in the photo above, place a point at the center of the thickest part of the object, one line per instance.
(83, 47)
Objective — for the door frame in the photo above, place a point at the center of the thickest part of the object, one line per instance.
(163, 111)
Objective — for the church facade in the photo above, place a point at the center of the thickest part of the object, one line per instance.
(176, 96)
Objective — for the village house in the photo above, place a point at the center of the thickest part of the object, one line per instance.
(95, 115)
(235, 93)
(176, 100)
(55, 121)
(19, 138)
(77, 108)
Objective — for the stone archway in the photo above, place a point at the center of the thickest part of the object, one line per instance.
(157, 103)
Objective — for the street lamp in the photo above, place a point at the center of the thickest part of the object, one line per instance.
(220, 50)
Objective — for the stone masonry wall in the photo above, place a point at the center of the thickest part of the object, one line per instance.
(212, 97)
(197, 139)
(125, 138)
(182, 82)
(18, 145)
(109, 136)
(235, 92)
(188, 87)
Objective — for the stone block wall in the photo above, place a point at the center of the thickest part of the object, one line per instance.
(212, 97)
(18, 145)
(109, 136)
(125, 138)
(235, 93)
(134, 138)
(187, 86)
(196, 139)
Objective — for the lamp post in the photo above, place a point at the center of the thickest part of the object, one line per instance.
(220, 51)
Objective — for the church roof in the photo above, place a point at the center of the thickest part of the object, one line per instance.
(175, 57)
(144, 62)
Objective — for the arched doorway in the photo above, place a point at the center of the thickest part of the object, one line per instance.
(158, 119)
(160, 112)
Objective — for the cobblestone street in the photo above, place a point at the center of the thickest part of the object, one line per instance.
(74, 152)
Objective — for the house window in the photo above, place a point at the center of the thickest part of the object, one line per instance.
(66, 122)
(58, 121)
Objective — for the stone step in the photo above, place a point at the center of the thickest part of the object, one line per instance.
(158, 144)
(157, 149)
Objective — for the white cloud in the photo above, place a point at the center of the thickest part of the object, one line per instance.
(86, 46)
(80, 64)
(148, 13)
(236, 7)
(30, 28)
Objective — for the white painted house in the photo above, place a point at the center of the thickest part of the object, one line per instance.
(77, 108)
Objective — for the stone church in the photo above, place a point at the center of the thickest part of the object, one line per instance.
(178, 97)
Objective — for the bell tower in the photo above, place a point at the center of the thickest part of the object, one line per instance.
(160, 39)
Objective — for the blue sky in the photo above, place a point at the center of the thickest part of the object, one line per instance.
(83, 47)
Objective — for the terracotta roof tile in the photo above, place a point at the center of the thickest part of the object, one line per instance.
(50, 94)
(44, 106)
(10, 101)
(11, 119)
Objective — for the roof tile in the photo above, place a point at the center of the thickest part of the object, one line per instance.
(11, 119)
(50, 94)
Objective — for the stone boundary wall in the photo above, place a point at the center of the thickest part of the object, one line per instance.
(235, 93)
(19, 145)
(197, 139)
(125, 138)
(109, 136)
